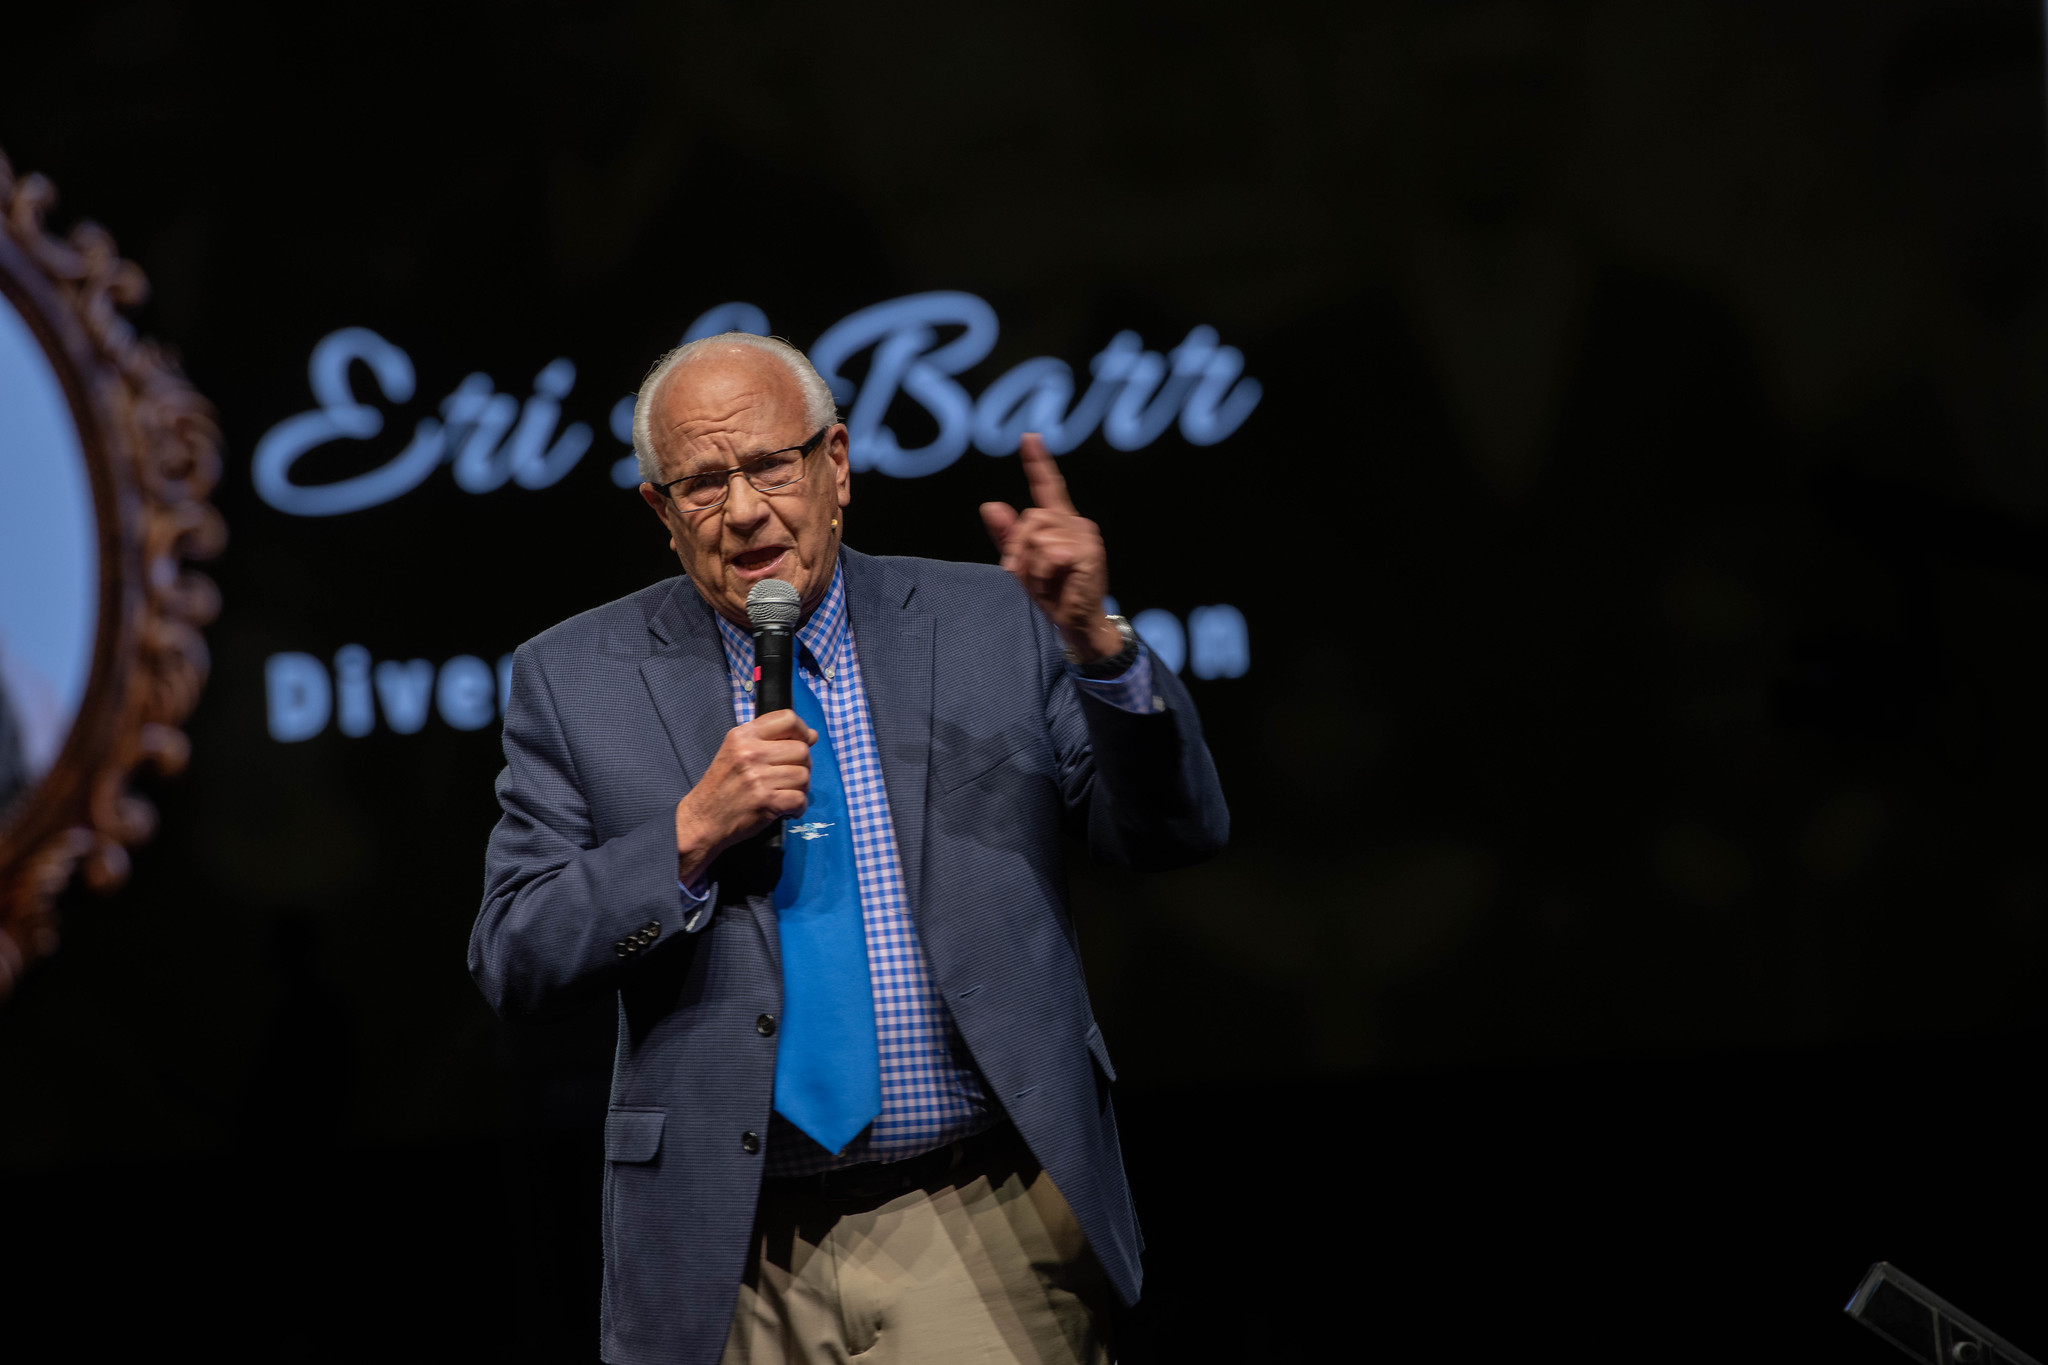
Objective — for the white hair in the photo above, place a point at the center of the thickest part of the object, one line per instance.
(819, 409)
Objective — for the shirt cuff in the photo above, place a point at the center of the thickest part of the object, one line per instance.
(1130, 690)
(696, 903)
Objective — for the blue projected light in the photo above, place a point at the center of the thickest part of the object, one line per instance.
(302, 697)
(489, 439)
(299, 696)
(908, 356)
(466, 694)
(726, 317)
(625, 469)
(914, 348)
(1161, 632)
(1219, 644)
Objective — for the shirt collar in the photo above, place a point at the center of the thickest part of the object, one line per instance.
(823, 636)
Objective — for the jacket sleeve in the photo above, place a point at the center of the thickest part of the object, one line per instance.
(564, 918)
(1140, 786)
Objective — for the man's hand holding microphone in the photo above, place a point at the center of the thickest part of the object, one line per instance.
(762, 774)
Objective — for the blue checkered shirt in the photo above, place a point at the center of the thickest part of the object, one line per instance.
(929, 1097)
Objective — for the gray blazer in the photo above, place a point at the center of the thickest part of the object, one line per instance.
(988, 752)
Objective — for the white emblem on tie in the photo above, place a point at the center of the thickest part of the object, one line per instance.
(814, 830)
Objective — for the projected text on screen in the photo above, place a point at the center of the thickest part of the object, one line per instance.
(304, 696)
(1132, 396)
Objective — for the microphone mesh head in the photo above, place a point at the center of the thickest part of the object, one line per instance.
(773, 605)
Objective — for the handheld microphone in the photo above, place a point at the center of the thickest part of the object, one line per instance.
(773, 608)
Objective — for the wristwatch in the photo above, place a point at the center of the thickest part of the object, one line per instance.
(1109, 665)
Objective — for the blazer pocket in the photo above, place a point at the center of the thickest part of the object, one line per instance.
(1101, 1051)
(982, 757)
(633, 1135)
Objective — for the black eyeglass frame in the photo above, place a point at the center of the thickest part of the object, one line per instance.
(803, 452)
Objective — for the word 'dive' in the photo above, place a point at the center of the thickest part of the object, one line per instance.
(915, 348)
(300, 698)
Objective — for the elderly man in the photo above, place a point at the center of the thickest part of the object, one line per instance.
(860, 1105)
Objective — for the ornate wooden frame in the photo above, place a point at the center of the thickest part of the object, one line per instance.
(154, 453)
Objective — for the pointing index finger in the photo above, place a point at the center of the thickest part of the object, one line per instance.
(1048, 489)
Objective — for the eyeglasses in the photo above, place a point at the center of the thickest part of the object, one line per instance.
(765, 473)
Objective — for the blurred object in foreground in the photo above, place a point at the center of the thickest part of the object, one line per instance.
(107, 455)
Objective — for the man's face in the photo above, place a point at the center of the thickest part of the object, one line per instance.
(722, 410)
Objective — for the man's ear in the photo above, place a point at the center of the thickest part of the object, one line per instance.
(836, 447)
(659, 504)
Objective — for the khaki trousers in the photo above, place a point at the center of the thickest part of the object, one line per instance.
(983, 1262)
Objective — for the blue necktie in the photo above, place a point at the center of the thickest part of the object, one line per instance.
(828, 1070)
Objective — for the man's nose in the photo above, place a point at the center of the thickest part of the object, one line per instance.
(745, 505)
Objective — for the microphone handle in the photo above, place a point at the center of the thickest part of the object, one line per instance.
(774, 657)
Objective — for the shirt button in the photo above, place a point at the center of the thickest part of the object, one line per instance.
(828, 675)
(765, 1026)
(750, 1143)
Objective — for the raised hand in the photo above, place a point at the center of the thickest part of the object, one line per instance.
(1057, 554)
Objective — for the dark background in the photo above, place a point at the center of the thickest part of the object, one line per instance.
(1636, 919)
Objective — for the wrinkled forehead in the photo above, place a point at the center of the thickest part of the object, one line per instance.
(725, 407)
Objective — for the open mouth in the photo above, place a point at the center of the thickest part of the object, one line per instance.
(761, 562)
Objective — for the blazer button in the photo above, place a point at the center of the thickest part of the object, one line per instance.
(750, 1143)
(765, 1026)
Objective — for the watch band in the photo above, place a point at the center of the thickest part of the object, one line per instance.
(1112, 665)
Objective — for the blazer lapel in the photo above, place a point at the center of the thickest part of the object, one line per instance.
(687, 678)
(895, 644)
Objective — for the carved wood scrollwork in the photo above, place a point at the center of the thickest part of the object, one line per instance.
(153, 454)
